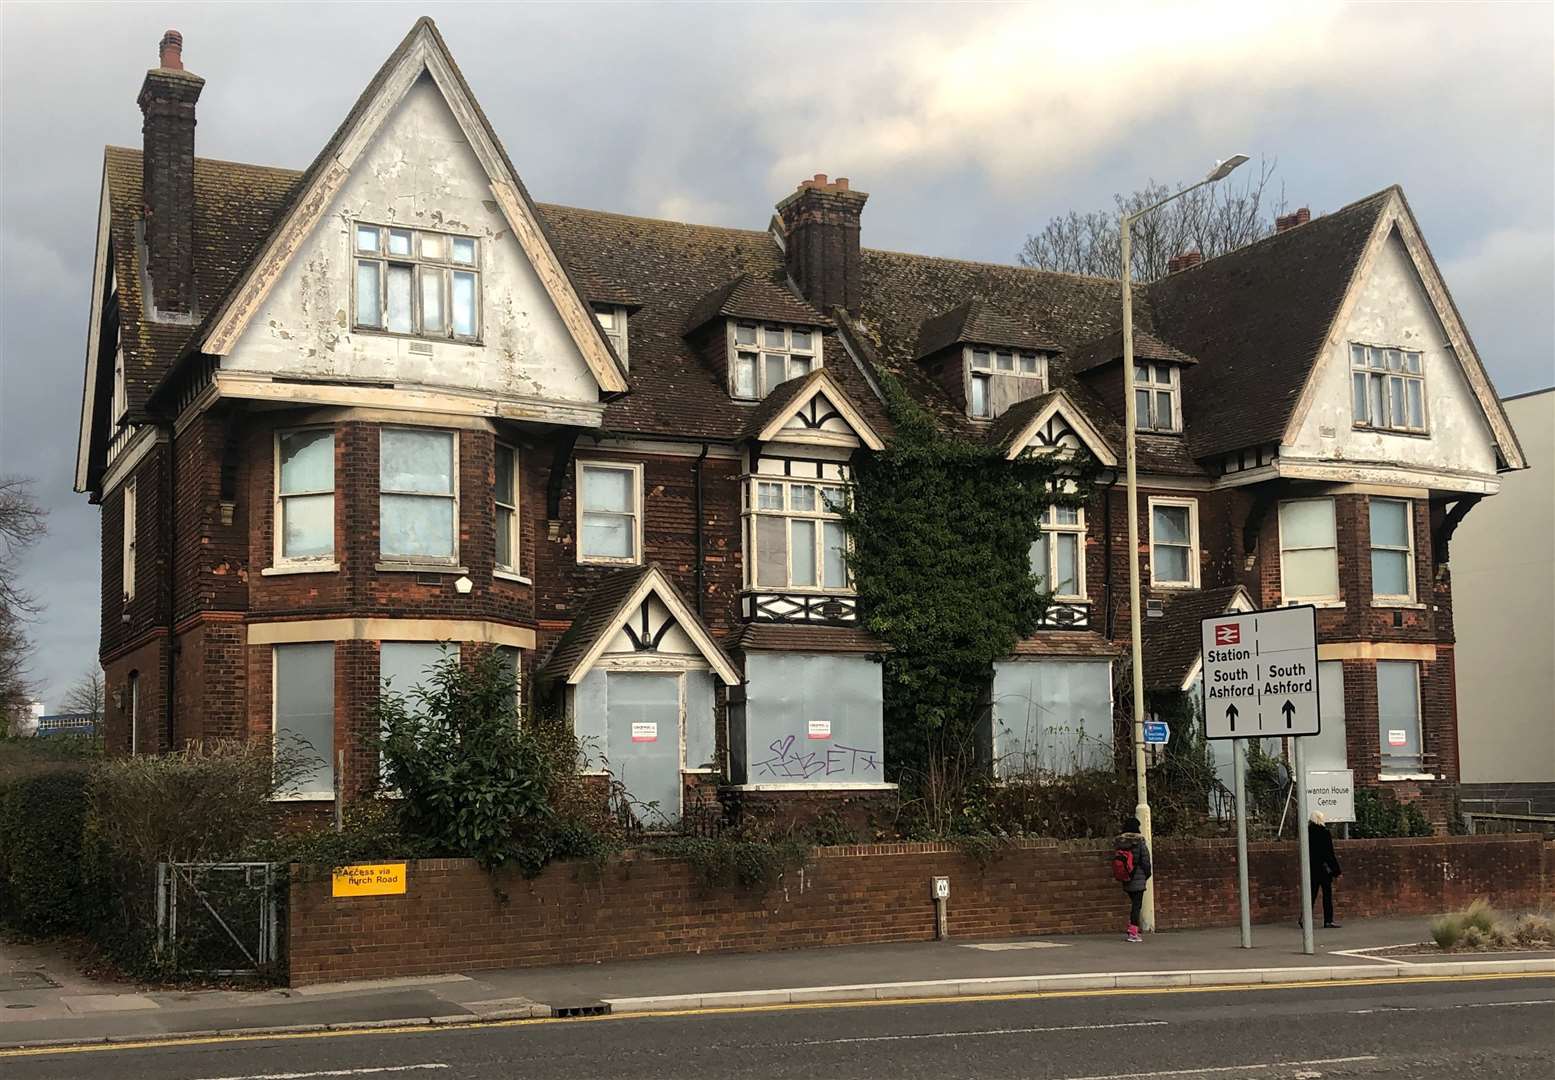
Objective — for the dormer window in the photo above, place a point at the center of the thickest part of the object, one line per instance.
(412, 281)
(765, 355)
(1157, 397)
(612, 320)
(987, 365)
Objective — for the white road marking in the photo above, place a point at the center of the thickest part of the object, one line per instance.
(1010, 946)
(980, 1034)
(1228, 1068)
(1440, 1008)
(379, 1070)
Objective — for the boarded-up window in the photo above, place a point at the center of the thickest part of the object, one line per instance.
(416, 494)
(305, 711)
(1051, 716)
(811, 719)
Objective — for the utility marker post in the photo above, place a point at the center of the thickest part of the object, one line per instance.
(1239, 780)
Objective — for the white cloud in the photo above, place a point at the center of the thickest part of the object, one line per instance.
(1497, 284)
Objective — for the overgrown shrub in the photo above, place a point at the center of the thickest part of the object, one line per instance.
(734, 861)
(1378, 813)
(1534, 930)
(41, 818)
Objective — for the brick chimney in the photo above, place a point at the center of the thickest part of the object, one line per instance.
(821, 241)
(1183, 261)
(167, 100)
(1286, 222)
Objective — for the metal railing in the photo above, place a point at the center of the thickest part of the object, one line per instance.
(1482, 824)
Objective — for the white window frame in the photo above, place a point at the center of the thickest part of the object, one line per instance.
(760, 350)
(421, 560)
(121, 397)
(613, 320)
(131, 526)
(983, 362)
(515, 532)
(635, 468)
(278, 557)
(275, 728)
(133, 693)
(1192, 506)
(445, 267)
(754, 513)
(1152, 378)
(1287, 597)
(1418, 771)
(1051, 526)
(1408, 597)
(1374, 365)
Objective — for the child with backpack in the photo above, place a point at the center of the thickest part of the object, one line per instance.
(1131, 869)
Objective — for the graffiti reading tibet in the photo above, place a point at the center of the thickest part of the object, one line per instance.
(792, 759)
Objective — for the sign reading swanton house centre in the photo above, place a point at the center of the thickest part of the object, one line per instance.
(379, 879)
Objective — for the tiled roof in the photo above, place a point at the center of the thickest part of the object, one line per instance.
(1017, 416)
(1257, 318)
(777, 400)
(1109, 348)
(976, 322)
(800, 637)
(1171, 641)
(751, 297)
(1065, 643)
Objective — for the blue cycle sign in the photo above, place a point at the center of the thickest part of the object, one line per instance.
(1157, 732)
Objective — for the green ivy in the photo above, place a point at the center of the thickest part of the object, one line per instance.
(941, 526)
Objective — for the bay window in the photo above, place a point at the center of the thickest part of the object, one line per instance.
(1309, 551)
(1387, 388)
(796, 534)
(1392, 551)
(1174, 543)
(417, 495)
(763, 355)
(1058, 554)
(412, 281)
(609, 522)
(305, 496)
(504, 495)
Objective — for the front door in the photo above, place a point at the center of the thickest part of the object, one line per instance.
(643, 743)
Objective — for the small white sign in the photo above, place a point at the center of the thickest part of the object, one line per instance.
(942, 888)
(1260, 673)
(1398, 737)
(1333, 793)
(645, 731)
(818, 729)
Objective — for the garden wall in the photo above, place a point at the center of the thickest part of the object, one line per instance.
(455, 917)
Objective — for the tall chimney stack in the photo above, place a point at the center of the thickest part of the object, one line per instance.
(821, 241)
(167, 100)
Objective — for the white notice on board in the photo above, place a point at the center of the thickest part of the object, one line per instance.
(1397, 737)
(645, 732)
(819, 729)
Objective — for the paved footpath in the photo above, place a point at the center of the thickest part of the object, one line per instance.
(41, 1002)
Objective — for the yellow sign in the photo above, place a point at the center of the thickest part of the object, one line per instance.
(385, 879)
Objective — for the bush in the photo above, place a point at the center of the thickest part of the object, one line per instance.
(1447, 930)
(745, 863)
(1534, 930)
(1480, 916)
(41, 877)
(1378, 814)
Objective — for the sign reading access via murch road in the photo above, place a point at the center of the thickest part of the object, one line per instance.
(1260, 673)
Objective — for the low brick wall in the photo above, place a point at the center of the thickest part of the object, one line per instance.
(454, 917)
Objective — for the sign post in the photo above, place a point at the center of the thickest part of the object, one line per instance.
(1260, 680)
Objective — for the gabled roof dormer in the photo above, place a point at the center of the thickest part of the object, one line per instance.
(1050, 424)
(984, 359)
(813, 410)
(1158, 368)
(757, 335)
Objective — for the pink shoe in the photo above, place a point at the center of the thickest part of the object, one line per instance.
(1133, 934)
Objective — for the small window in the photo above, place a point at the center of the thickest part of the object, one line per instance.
(121, 400)
(608, 513)
(1398, 716)
(1058, 553)
(132, 694)
(984, 364)
(797, 536)
(764, 356)
(505, 495)
(1309, 552)
(613, 321)
(131, 530)
(1174, 543)
(417, 496)
(1387, 388)
(412, 281)
(1392, 551)
(1155, 398)
(304, 719)
(305, 495)
(981, 405)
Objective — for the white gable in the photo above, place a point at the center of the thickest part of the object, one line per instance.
(418, 170)
(818, 416)
(1060, 428)
(651, 627)
(1389, 305)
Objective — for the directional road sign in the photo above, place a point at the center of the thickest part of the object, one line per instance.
(1260, 673)
(1157, 732)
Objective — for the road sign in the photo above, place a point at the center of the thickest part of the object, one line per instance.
(1157, 732)
(1333, 793)
(1260, 673)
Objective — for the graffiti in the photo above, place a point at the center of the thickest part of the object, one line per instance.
(791, 761)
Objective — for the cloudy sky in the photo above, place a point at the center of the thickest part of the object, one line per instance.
(969, 125)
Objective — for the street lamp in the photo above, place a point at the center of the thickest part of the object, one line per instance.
(1221, 170)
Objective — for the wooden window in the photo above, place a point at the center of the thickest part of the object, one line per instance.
(417, 282)
(131, 528)
(1174, 543)
(1387, 388)
(1309, 551)
(1392, 551)
(1058, 554)
(797, 536)
(504, 494)
(613, 321)
(304, 496)
(132, 695)
(762, 356)
(609, 513)
(985, 362)
(1157, 405)
(418, 495)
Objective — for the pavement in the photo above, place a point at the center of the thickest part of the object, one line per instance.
(43, 1002)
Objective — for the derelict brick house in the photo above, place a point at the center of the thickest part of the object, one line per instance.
(338, 417)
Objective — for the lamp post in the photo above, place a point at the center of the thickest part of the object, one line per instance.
(1221, 170)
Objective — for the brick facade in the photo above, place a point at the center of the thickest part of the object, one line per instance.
(454, 917)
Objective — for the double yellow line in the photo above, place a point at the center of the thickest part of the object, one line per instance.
(728, 1010)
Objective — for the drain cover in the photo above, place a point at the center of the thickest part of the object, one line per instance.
(20, 1005)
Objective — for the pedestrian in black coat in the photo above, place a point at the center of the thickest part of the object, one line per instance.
(1325, 866)
(1132, 843)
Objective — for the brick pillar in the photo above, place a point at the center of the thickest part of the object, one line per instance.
(821, 241)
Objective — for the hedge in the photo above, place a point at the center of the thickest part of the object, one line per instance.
(42, 886)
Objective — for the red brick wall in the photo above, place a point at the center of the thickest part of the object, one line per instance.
(455, 917)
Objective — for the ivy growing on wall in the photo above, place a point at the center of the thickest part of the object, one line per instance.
(942, 526)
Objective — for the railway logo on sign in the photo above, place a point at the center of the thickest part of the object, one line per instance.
(1228, 634)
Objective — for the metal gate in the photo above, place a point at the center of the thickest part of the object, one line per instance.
(218, 918)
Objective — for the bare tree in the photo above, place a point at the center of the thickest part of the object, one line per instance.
(22, 522)
(1212, 220)
(86, 697)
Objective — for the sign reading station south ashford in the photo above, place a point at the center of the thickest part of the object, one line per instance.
(1260, 673)
(380, 879)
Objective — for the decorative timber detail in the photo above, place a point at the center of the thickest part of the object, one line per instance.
(644, 636)
(1060, 616)
(790, 607)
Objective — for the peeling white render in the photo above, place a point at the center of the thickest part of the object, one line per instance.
(419, 171)
(1391, 308)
